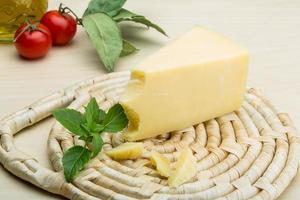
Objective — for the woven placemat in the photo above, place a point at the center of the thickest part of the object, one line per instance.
(252, 153)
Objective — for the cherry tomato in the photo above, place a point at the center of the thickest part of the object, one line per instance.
(33, 40)
(61, 25)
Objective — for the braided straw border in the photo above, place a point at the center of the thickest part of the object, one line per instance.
(252, 153)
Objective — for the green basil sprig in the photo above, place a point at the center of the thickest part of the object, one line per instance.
(99, 21)
(88, 127)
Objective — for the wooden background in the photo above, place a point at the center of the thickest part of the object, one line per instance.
(270, 29)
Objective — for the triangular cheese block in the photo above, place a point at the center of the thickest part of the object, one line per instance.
(197, 77)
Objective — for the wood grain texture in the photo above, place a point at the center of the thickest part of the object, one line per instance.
(269, 29)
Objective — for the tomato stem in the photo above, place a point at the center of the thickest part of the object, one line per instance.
(23, 31)
(30, 26)
(65, 9)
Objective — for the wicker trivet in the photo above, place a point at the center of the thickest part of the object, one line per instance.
(252, 153)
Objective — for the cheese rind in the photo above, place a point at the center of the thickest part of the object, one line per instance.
(197, 77)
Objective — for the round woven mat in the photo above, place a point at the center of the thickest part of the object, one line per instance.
(252, 153)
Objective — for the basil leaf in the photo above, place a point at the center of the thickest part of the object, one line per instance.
(146, 22)
(70, 119)
(102, 115)
(115, 120)
(92, 113)
(85, 127)
(83, 137)
(96, 144)
(127, 48)
(74, 160)
(126, 15)
(98, 128)
(110, 7)
(105, 36)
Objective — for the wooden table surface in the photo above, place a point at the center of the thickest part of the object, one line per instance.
(269, 29)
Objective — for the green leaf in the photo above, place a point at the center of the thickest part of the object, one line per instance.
(146, 22)
(92, 113)
(96, 144)
(110, 7)
(85, 127)
(74, 160)
(70, 119)
(115, 120)
(102, 115)
(105, 36)
(126, 15)
(83, 137)
(98, 128)
(127, 48)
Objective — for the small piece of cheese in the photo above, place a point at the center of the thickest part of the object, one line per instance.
(128, 150)
(185, 168)
(200, 76)
(161, 163)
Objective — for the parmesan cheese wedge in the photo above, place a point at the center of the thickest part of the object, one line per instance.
(199, 76)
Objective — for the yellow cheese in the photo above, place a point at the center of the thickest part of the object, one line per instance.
(197, 77)
(185, 169)
(128, 150)
(161, 163)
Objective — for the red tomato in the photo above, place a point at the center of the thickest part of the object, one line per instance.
(33, 40)
(61, 25)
